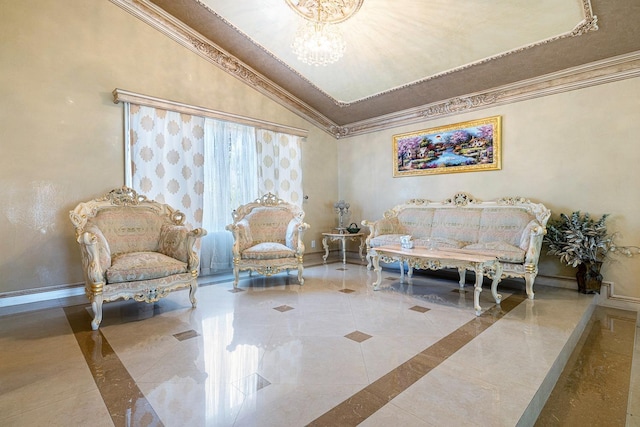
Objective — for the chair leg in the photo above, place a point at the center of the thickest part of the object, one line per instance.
(96, 305)
(236, 275)
(300, 270)
(192, 293)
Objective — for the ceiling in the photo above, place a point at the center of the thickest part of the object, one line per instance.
(402, 54)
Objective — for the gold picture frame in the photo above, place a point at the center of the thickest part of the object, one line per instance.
(470, 146)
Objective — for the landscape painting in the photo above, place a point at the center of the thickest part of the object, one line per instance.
(461, 147)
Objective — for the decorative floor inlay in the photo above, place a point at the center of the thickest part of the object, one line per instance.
(419, 309)
(122, 397)
(234, 290)
(358, 336)
(251, 384)
(346, 291)
(181, 336)
(283, 308)
(370, 399)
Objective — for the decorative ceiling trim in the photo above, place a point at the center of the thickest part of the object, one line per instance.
(588, 24)
(596, 73)
(194, 41)
(600, 72)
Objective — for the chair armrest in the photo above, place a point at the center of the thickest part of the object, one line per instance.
(382, 226)
(531, 241)
(96, 256)
(178, 242)
(241, 236)
(301, 227)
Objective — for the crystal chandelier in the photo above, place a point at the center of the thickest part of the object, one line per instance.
(318, 40)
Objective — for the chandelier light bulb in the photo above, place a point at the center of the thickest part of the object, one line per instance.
(318, 41)
(318, 44)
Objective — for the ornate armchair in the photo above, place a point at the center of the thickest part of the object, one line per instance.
(267, 237)
(134, 248)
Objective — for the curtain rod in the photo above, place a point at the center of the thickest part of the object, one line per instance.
(121, 95)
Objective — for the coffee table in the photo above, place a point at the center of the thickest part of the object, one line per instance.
(435, 259)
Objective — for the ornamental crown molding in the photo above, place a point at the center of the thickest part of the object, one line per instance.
(599, 72)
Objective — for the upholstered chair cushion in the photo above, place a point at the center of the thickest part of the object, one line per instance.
(172, 241)
(268, 250)
(129, 229)
(136, 266)
(268, 235)
(268, 224)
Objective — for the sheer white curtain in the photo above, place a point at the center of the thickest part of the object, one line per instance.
(231, 180)
(165, 151)
(280, 165)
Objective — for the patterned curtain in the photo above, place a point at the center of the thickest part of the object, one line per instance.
(166, 153)
(206, 168)
(280, 165)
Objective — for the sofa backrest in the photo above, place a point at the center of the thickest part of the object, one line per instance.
(465, 219)
(461, 224)
(129, 228)
(415, 221)
(503, 224)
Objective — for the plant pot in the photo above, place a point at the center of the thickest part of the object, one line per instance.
(589, 277)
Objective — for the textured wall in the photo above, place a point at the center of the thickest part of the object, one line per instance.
(572, 151)
(61, 134)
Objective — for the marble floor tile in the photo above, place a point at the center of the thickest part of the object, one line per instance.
(332, 352)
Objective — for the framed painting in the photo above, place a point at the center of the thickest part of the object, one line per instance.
(461, 147)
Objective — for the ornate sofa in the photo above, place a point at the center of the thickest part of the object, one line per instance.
(136, 248)
(510, 229)
(267, 237)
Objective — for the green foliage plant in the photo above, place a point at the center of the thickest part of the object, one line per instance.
(580, 239)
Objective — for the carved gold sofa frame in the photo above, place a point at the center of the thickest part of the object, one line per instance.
(132, 247)
(267, 237)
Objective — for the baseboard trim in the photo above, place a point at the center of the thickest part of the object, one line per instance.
(9, 299)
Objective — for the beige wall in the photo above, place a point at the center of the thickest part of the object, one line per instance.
(573, 151)
(61, 134)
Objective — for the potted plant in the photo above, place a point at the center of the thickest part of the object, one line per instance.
(583, 242)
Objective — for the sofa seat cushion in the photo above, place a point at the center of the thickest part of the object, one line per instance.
(501, 250)
(134, 266)
(439, 243)
(268, 250)
(385, 239)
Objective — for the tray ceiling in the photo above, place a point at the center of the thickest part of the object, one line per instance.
(403, 54)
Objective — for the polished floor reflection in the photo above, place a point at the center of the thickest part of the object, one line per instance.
(272, 353)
